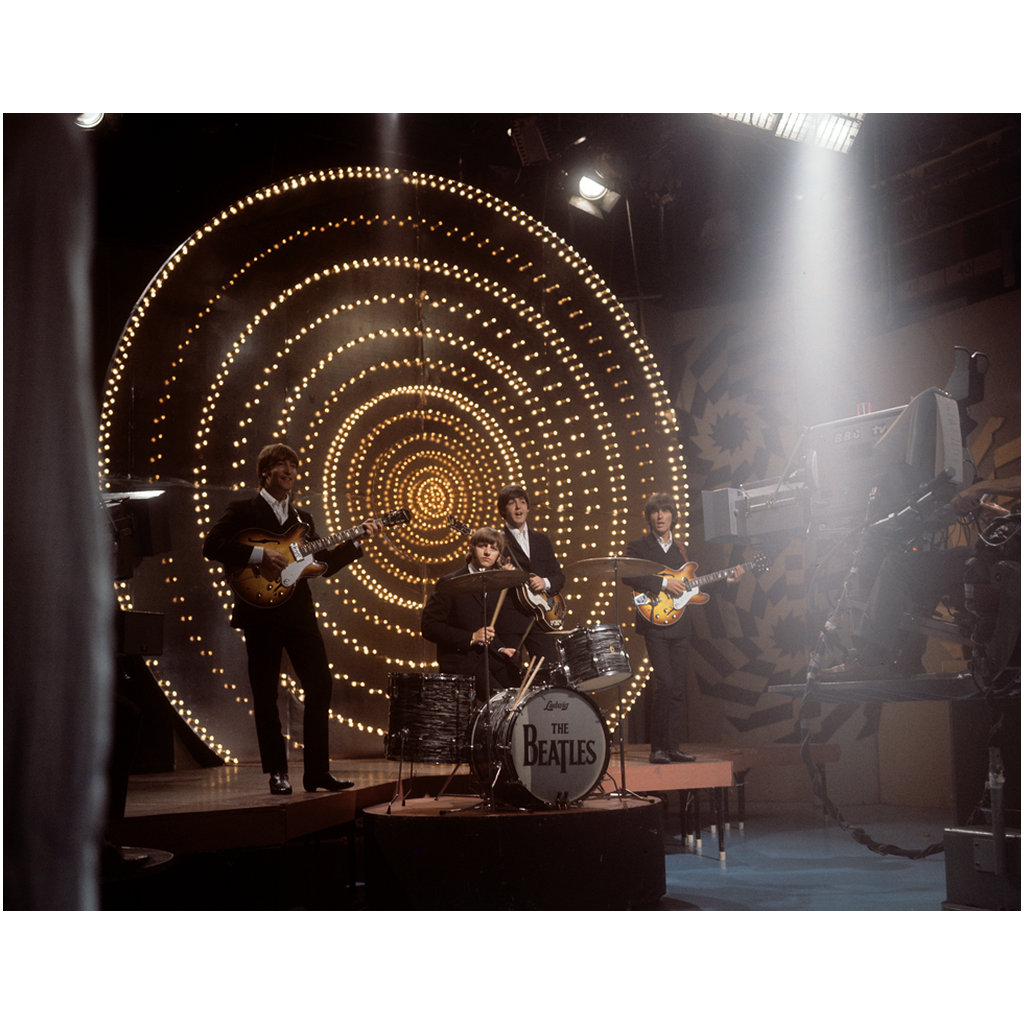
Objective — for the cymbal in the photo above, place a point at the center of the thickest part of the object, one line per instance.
(614, 568)
(483, 582)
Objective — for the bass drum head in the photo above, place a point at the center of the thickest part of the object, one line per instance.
(555, 745)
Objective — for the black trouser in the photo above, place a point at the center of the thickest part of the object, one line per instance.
(668, 656)
(503, 675)
(308, 654)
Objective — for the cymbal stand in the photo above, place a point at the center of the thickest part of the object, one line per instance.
(399, 790)
(488, 801)
(622, 792)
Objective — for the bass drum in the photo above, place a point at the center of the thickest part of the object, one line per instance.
(551, 749)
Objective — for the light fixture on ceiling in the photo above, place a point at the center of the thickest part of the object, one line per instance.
(594, 188)
(532, 140)
(88, 120)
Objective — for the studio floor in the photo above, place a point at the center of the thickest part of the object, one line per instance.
(789, 857)
(238, 848)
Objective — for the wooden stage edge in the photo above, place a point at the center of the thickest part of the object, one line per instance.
(228, 807)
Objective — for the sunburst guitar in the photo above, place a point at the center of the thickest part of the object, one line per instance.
(547, 610)
(662, 609)
(257, 588)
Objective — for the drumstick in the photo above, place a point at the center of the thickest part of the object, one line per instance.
(497, 607)
(523, 686)
(527, 682)
(522, 639)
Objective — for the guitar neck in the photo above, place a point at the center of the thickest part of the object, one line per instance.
(328, 542)
(714, 577)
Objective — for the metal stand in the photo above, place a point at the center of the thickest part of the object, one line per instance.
(617, 569)
(483, 583)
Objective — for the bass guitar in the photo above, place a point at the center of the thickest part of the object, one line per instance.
(255, 587)
(548, 610)
(660, 608)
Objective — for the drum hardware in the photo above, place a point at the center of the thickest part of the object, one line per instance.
(484, 583)
(531, 673)
(428, 720)
(548, 749)
(548, 611)
(594, 657)
(616, 569)
(399, 788)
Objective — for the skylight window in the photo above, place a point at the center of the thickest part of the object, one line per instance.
(835, 132)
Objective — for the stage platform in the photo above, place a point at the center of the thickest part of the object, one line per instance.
(203, 810)
(457, 853)
(224, 817)
(227, 807)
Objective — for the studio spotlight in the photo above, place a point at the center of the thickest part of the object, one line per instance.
(592, 195)
(88, 120)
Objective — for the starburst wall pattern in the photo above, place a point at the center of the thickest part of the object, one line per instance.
(420, 343)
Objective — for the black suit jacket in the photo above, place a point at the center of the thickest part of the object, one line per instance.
(543, 563)
(542, 560)
(647, 547)
(450, 620)
(255, 513)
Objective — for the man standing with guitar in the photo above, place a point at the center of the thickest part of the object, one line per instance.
(286, 621)
(537, 606)
(667, 642)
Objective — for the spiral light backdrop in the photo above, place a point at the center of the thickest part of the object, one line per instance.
(420, 343)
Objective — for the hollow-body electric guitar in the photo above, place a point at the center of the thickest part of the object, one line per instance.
(548, 610)
(660, 608)
(255, 587)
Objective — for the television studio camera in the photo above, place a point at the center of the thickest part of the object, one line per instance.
(881, 484)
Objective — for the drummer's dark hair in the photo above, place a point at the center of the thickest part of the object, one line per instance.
(658, 503)
(489, 534)
(507, 493)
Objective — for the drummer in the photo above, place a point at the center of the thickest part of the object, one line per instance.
(460, 623)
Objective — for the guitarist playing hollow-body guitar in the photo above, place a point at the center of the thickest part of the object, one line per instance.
(532, 551)
(668, 642)
(288, 626)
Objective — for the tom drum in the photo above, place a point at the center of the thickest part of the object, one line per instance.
(594, 657)
(429, 717)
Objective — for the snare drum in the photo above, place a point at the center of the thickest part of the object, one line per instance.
(429, 717)
(549, 749)
(594, 657)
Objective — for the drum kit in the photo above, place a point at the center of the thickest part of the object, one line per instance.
(545, 744)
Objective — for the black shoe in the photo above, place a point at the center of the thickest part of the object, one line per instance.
(279, 784)
(324, 780)
(677, 756)
(660, 757)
